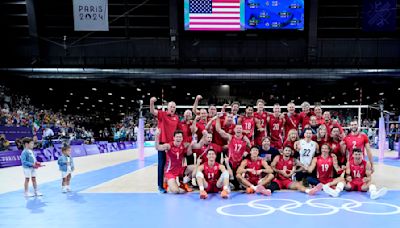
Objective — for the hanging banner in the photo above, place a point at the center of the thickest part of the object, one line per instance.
(91, 15)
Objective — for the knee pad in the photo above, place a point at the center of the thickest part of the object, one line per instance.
(225, 175)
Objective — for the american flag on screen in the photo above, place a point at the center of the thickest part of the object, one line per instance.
(216, 15)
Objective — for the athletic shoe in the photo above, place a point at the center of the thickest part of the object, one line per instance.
(328, 190)
(376, 194)
(249, 190)
(64, 190)
(224, 194)
(68, 189)
(261, 189)
(162, 190)
(37, 193)
(316, 189)
(186, 187)
(203, 195)
(165, 185)
(29, 194)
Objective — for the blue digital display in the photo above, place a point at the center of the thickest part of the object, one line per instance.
(274, 14)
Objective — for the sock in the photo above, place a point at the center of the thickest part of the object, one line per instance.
(372, 188)
(253, 187)
(339, 187)
(225, 188)
(201, 188)
(307, 190)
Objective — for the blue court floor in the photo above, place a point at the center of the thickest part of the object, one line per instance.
(283, 209)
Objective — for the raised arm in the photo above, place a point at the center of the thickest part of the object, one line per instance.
(195, 104)
(152, 109)
(193, 127)
(223, 134)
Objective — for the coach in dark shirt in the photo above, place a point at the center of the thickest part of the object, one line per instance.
(268, 152)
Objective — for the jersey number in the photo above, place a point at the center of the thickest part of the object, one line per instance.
(247, 126)
(238, 147)
(306, 152)
(356, 173)
(276, 127)
(210, 176)
(325, 167)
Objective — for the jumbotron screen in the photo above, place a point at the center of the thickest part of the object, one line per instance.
(239, 15)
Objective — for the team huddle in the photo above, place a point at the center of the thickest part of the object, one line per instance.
(260, 152)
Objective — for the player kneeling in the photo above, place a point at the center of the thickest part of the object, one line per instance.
(254, 173)
(212, 177)
(358, 178)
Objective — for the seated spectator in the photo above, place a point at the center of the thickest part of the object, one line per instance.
(47, 136)
(36, 143)
(19, 144)
(4, 143)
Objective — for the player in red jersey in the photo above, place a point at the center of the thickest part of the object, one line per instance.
(322, 135)
(205, 144)
(291, 119)
(226, 124)
(184, 126)
(167, 123)
(238, 146)
(357, 139)
(284, 167)
(329, 123)
(334, 144)
(212, 110)
(318, 114)
(261, 122)
(305, 115)
(254, 173)
(174, 170)
(212, 177)
(248, 124)
(358, 173)
(325, 163)
(199, 123)
(291, 140)
(275, 124)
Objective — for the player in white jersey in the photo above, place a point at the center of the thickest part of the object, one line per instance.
(307, 149)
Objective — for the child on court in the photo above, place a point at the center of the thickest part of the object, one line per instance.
(66, 166)
(29, 165)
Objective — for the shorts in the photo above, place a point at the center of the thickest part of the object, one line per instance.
(253, 180)
(355, 185)
(29, 172)
(172, 174)
(65, 174)
(212, 188)
(325, 180)
(283, 184)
